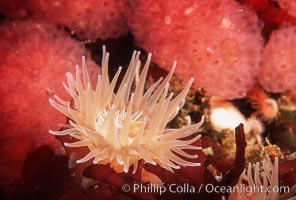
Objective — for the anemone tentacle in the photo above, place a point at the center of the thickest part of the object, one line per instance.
(124, 127)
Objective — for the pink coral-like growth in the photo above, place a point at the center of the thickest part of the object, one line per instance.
(278, 71)
(34, 59)
(218, 42)
(289, 6)
(88, 19)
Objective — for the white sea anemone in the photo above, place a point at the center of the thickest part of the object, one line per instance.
(124, 127)
(269, 189)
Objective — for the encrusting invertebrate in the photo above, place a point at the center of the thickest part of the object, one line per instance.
(266, 106)
(124, 127)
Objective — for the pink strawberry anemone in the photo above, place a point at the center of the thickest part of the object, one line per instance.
(213, 41)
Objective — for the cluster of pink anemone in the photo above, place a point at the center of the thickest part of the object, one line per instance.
(222, 51)
(35, 58)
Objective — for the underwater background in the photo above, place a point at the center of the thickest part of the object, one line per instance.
(240, 54)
